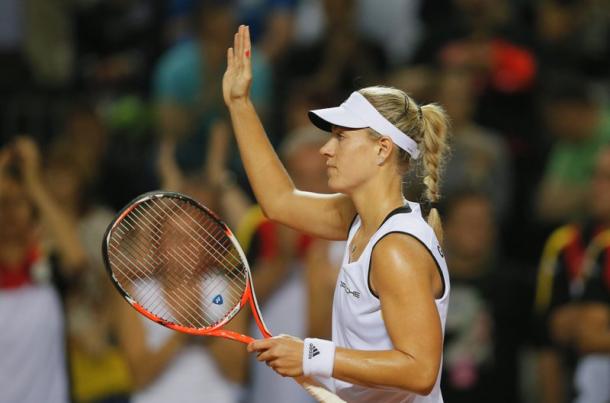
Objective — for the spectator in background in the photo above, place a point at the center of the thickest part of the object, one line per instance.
(487, 299)
(573, 301)
(167, 365)
(486, 37)
(294, 274)
(573, 36)
(171, 366)
(480, 158)
(40, 256)
(579, 123)
(187, 83)
(117, 43)
(271, 22)
(399, 34)
(401, 30)
(214, 185)
(99, 372)
(85, 138)
(335, 64)
(110, 162)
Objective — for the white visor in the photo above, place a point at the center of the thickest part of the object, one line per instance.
(358, 113)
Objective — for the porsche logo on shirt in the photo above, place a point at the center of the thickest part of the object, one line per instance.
(348, 291)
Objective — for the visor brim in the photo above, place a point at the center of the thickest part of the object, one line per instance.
(325, 119)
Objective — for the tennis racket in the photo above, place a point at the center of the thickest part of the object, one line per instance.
(178, 264)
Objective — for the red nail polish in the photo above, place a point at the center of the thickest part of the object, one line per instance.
(247, 53)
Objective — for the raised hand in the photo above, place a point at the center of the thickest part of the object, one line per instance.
(238, 76)
(167, 167)
(218, 149)
(28, 159)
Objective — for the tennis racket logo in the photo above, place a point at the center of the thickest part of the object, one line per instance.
(218, 300)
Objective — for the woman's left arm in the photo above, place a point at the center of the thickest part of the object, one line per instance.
(404, 275)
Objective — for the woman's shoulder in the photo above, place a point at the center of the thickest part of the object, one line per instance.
(407, 217)
(411, 222)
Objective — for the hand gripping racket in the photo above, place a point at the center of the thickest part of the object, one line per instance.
(179, 265)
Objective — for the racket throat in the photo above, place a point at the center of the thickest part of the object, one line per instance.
(256, 311)
(259, 321)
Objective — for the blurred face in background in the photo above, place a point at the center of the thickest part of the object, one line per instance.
(217, 24)
(308, 169)
(196, 187)
(16, 213)
(487, 12)
(470, 229)
(555, 20)
(339, 13)
(456, 94)
(571, 120)
(86, 133)
(600, 187)
(65, 185)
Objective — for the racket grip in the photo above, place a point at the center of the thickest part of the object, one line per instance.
(318, 392)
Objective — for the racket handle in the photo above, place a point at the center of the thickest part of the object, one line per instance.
(318, 392)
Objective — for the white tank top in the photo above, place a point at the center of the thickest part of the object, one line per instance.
(357, 320)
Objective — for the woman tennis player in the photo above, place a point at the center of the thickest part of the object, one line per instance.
(390, 302)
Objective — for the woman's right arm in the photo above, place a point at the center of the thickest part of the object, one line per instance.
(324, 216)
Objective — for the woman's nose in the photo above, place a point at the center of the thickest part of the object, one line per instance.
(327, 149)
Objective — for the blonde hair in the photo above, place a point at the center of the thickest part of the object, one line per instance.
(428, 126)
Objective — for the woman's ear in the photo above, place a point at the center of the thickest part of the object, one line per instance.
(385, 146)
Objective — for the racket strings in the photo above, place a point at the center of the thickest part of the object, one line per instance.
(178, 258)
(235, 293)
(219, 233)
(150, 298)
(214, 237)
(143, 271)
(237, 270)
(139, 251)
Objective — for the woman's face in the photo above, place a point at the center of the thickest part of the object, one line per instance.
(351, 158)
(65, 186)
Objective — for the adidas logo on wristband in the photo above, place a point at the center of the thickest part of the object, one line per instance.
(313, 351)
(324, 353)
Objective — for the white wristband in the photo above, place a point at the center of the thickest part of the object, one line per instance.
(318, 357)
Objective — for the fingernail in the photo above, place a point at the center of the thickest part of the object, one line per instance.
(247, 53)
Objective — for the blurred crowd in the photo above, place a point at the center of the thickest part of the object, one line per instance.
(101, 100)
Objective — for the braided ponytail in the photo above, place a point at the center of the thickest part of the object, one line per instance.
(427, 126)
(434, 146)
